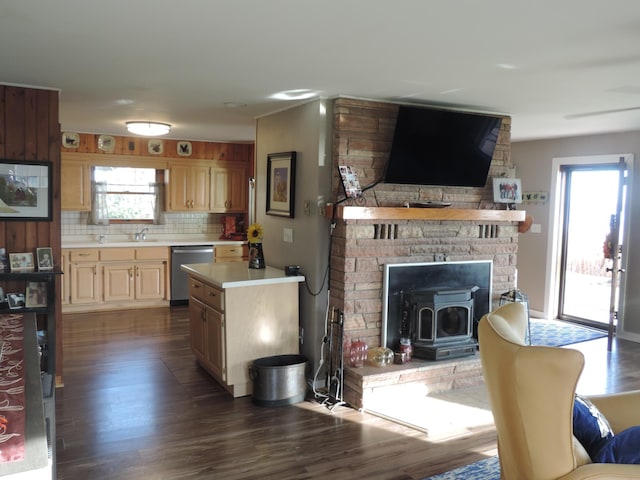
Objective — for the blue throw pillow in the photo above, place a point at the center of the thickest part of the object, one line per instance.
(623, 448)
(589, 426)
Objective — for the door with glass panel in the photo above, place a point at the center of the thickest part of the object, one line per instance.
(591, 246)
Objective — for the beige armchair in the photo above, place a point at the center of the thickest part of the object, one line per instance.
(531, 392)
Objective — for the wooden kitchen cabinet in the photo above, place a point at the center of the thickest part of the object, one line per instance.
(150, 280)
(230, 253)
(188, 188)
(253, 315)
(84, 288)
(118, 282)
(206, 319)
(229, 188)
(124, 277)
(75, 180)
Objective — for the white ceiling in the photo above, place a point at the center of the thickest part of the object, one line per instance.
(541, 62)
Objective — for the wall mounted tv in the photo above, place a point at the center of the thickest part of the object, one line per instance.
(441, 147)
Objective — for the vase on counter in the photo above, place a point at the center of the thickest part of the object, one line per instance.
(256, 256)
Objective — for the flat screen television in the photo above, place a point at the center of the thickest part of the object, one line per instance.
(441, 147)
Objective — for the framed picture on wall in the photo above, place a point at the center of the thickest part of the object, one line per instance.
(25, 190)
(281, 179)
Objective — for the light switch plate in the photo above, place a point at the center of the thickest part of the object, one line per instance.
(288, 235)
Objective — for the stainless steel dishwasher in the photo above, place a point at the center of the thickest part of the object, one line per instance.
(181, 255)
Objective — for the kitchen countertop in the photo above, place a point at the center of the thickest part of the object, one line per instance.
(153, 240)
(238, 274)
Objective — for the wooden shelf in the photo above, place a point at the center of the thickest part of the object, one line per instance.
(401, 213)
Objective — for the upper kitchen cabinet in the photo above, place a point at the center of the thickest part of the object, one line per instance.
(229, 188)
(75, 179)
(187, 187)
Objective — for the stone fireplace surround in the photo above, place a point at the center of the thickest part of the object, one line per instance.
(363, 244)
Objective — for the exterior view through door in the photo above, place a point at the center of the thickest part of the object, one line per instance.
(591, 244)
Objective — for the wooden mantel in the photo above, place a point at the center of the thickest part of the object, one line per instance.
(402, 213)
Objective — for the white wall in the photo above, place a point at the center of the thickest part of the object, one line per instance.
(303, 129)
(533, 161)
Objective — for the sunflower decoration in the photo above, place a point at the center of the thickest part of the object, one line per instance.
(255, 233)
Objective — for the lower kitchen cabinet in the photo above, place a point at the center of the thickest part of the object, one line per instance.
(232, 323)
(115, 278)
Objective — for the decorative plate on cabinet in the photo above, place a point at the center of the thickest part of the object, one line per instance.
(70, 140)
(155, 147)
(106, 143)
(184, 149)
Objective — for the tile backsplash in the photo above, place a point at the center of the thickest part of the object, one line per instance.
(75, 224)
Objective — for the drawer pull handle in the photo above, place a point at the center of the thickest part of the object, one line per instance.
(195, 285)
(211, 294)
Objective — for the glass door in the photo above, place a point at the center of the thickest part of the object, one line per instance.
(592, 218)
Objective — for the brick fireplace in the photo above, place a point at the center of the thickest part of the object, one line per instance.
(363, 132)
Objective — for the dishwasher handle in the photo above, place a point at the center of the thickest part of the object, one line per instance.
(192, 250)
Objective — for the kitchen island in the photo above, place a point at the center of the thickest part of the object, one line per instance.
(237, 315)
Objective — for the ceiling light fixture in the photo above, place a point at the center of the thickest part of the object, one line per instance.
(148, 129)
(299, 94)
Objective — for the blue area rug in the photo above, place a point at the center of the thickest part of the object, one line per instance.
(486, 469)
(553, 333)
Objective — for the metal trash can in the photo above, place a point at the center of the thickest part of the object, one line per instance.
(278, 380)
(519, 297)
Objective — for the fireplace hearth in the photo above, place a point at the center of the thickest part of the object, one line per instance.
(437, 305)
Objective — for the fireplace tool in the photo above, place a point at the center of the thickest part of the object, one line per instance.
(334, 381)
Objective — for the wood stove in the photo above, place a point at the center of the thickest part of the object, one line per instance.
(436, 304)
(440, 322)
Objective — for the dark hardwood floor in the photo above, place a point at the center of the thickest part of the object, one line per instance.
(135, 405)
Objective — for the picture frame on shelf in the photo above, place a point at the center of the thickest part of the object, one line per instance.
(26, 190)
(36, 295)
(281, 180)
(4, 260)
(15, 300)
(45, 259)
(21, 262)
(507, 190)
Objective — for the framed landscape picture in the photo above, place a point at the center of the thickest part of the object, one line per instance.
(25, 190)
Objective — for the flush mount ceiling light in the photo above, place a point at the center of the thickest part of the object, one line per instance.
(148, 129)
(299, 94)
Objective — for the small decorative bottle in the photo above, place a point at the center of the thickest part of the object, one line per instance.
(406, 347)
(358, 353)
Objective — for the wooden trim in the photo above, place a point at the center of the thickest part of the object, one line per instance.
(436, 214)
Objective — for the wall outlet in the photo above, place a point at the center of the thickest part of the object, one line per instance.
(536, 228)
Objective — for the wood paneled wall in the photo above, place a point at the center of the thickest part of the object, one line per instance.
(30, 131)
(138, 146)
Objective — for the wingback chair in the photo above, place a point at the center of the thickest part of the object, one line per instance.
(531, 392)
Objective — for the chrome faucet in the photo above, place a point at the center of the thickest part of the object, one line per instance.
(140, 235)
